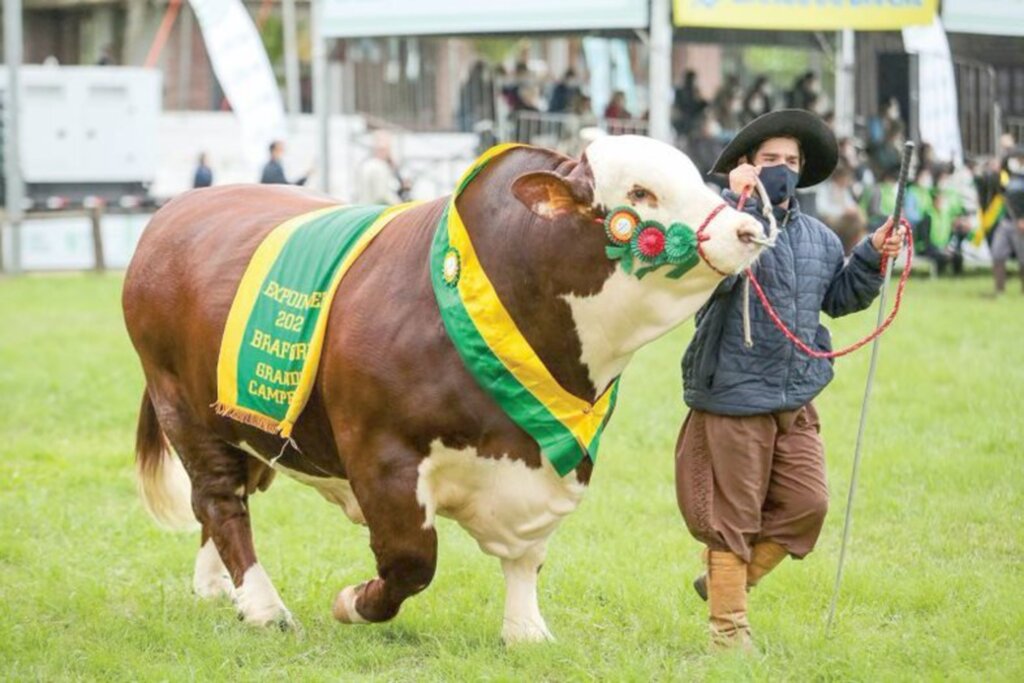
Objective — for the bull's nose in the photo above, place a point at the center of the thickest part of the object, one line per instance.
(748, 232)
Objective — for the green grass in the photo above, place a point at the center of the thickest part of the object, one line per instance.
(91, 589)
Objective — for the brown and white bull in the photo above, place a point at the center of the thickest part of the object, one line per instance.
(397, 431)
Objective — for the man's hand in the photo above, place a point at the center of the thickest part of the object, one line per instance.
(743, 177)
(1020, 225)
(891, 246)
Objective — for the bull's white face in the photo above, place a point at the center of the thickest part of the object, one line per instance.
(659, 183)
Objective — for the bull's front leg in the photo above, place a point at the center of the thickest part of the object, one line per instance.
(404, 545)
(523, 622)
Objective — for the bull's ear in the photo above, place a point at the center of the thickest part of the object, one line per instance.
(548, 194)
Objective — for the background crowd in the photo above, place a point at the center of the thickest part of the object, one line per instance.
(950, 207)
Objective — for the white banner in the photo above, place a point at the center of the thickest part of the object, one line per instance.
(936, 87)
(353, 18)
(243, 70)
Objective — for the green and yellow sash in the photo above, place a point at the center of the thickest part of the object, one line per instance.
(496, 353)
(270, 350)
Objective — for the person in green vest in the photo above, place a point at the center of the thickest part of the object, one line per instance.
(950, 222)
(936, 213)
(918, 207)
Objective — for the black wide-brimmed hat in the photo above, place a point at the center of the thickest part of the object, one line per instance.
(817, 142)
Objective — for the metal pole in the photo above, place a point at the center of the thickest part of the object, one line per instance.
(908, 153)
(660, 71)
(96, 221)
(291, 58)
(845, 75)
(320, 100)
(185, 59)
(15, 187)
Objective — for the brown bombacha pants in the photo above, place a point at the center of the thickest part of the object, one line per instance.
(743, 480)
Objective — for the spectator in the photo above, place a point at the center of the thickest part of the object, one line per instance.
(511, 90)
(273, 172)
(758, 100)
(917, 205)
(838, 209)
(705, 147)
(565, 93)
(476, 98)
(616, 108)
(854, 158)
(688, 105)
(880, 125)
(880, 200)
(528, 98)
(890, 153)
(730, 114)
(948, 224)
(727, 92)
(203, 176)
(1009, 233)
(106, 56)
(583, 110)
(377, 180)
(804, 88)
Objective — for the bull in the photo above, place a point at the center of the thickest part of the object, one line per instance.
(397, 430)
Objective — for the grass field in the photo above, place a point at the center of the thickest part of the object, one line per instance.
(91, 589)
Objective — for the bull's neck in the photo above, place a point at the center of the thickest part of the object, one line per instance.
(534, 264)
(629, 313)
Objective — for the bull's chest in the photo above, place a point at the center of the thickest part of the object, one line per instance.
(505, 505)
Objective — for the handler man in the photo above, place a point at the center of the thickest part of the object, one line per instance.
(750, 465)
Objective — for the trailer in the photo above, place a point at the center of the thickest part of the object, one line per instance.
(88, 134)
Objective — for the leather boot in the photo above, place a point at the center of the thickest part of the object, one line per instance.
(727, 600)
(764, 557)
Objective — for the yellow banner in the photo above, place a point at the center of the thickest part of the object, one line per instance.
(804, 15)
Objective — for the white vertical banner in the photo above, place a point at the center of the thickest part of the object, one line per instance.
(244, 72)
(938, 119)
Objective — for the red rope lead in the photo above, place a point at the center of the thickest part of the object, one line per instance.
(853, 347)
(702, 238)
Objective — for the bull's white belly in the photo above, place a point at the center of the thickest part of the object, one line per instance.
(335, 490)
(505, 505)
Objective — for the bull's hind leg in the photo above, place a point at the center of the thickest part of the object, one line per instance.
(404, 545)
(219, 473)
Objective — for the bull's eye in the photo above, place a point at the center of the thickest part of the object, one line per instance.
(641, 195)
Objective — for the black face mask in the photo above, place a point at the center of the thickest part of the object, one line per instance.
(780, 182)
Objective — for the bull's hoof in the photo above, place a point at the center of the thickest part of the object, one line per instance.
(280, 621)
(519, 633)
(344, 609)
(213, 587)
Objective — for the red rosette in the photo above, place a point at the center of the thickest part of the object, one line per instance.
(649, 244)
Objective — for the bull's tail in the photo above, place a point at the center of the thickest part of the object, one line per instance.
(163, 484)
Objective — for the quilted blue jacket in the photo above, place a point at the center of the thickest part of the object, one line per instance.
(804, 274)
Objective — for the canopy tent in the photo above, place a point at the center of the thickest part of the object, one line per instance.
(359, 18)
(379, 18)
(364, 18)
(986, 17)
